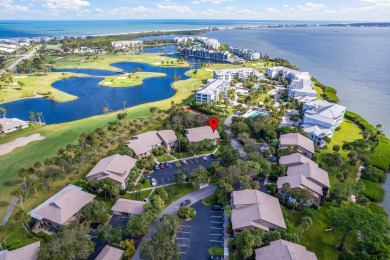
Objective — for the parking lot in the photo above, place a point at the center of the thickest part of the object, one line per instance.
(199, 234)
(165, 176)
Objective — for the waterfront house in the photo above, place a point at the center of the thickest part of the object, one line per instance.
(62, 208)
(29, 252)
(240, 73)
(10, 125)
(128, 208)
(143, 144)
(321, 119)
(284, 72)
(212, 90)
(301, 143)
(198, 134)
(301, 86)
(115, 168)
(110, 253)
(282, 250)
(254, 209)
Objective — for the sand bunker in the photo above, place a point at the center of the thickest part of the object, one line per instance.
(121, 78)
(209, 70)
(73, 59)
(19, 142)
(107, 83)
(20, 77)
(58, 58)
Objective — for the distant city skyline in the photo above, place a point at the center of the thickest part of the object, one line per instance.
(331, 10)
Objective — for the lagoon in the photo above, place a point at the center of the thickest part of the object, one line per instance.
(92, 97)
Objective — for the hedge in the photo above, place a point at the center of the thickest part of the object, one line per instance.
(373, 191)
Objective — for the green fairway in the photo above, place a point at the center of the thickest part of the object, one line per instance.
(128, 80)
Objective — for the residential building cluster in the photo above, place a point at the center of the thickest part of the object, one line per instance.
(126, 45)
(210, 44)
(239, 73)
(43, 39)
(302, 172)
(204, 53)
(245, 53)
(321, 119)
(211, 91)
(8, 48)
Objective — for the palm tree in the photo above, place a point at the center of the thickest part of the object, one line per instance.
(286, 188)
(39, 114)
(22, 217)
(307, 222)
(32, 116)
(3, 111)
(124, 104)
(18, 192)
(32, 184)
(105, 110)
(138, 187)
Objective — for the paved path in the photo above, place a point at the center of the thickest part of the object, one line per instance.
(172, 209)
(9, 211)
(15, 63)
(233, 140)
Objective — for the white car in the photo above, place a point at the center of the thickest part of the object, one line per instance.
(153, 181)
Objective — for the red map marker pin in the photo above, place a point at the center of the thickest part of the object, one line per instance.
(213, 123)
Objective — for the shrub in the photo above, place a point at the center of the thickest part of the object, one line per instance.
(373, 174)
(186, 212)
(46, 237)
(14, 245)
(373, 191)
(122, 192)
(377, 209)
(336, 148)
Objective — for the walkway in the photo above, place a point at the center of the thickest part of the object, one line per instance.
(172, 209)
(233, 140)
(9, 211)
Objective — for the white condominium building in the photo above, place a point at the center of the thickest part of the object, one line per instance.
(301, 86)
(286, 73)
(126, 44)
(241, 73)
(321, 119)
(212, 90)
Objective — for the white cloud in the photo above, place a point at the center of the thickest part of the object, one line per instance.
(8, 6)
(194, 2)
(175, 8)
(272, 11)
(310, 7)
(65, 4)
(213, 1)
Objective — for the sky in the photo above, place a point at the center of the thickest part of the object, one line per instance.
(328, 10)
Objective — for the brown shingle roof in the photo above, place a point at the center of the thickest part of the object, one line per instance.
(295, 158)
(312, 171)
(110, 253)
(142, 143)
(300, 182)
(201, 133)
(116, 167)
(29, 252)
(63, 205)
(255, 208)
(167, 136)
(297, 139)
(129, 206)
(283, 250)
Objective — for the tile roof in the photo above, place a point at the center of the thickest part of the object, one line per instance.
(284, 250)
(255, 208)
(297, 139)
(63, 205)
(29, 252)
(110, 253)
(129, 206)
(201, 133)
(115, 167)
(11, 123)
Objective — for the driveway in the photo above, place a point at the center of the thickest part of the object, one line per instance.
(199, 234)
(172, 209)
(165, 176)
(233, 140)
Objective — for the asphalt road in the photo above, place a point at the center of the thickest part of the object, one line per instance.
(173, 208)
(165, 176)
(25, 56)
(199, 234)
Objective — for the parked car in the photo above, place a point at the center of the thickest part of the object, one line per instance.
(204, 158)
(167, 165)
(263, 148)
(213, 156)
(218, 208)
(153, 182)
(185, 203)
(183, 161)
(156, 166)
(162, 166)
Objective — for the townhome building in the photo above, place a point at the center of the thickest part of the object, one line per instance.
(212, 91)
(241, 73)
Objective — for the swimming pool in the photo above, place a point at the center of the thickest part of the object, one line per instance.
(256, 113)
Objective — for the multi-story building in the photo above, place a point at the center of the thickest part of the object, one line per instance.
(286, 73)
(241, 73)
(211, 91)
(123, 45)
(205, 54)
(245, 53)
(301, 86)
(321, 120)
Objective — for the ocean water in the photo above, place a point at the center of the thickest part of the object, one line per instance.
(353, 60)
(14, 29)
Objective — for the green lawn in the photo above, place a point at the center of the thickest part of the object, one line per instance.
(349, 132)
(164, 158)
(216, 251)
(209, 201)
(137, 196)
(59, 135)
(319, 92)
(124, 80)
